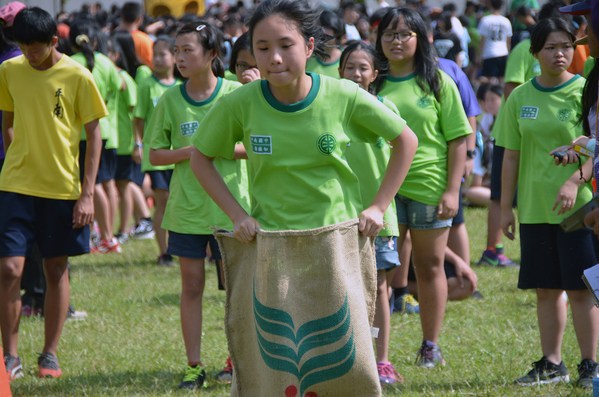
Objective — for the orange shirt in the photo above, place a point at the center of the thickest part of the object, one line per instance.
(144, 47)
(581, 53)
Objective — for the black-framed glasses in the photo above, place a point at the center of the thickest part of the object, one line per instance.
(388, 37)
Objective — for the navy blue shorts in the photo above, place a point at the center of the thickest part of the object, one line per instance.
(494, 67)
(192, 246)
(45, 221)
(137, 176)
(108, 162)
(124, 168)
(554, 259)
(161, 179)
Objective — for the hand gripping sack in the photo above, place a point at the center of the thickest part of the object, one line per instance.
(298, 312)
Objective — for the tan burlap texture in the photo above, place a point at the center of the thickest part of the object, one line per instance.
(299, 308)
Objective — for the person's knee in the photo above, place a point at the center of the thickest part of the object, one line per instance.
(193, 286)
(55, 269)
(430, 269)
(579, 296)
(457, 293)
(11, 269)
(548, 294)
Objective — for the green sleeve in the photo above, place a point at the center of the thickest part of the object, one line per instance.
(219, 131)
(510, 136)
(452, 117)
(370, 119)
(130, 93)
(589, 64)
(515, 69)
(115, 81)
(161, 128)
(90, 105)
(143, 101)
(142, 73)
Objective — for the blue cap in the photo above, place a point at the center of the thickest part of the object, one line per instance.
(580, 8)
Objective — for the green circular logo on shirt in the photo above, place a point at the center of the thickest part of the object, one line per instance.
(326, 144)
(423, 103)
(564, 115)
(380, 143)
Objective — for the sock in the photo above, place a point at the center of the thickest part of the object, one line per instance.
(148, 219)
(194, 364)
(400, 291)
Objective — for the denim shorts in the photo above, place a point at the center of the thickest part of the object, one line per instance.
(387, 257)
(418, 216)
(192, 246)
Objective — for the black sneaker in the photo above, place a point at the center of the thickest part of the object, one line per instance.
(166, 260)
(587, 371)
(543, 372)
(429, 355)
(194, 378)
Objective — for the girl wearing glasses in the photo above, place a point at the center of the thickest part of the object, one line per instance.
(428, 199)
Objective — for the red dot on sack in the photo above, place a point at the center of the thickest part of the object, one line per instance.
(291, 391)
(311, 394)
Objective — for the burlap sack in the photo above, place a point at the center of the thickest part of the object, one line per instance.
(298, 312)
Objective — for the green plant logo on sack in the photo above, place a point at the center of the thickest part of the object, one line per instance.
(292, 344)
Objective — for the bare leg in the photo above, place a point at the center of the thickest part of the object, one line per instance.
(160, 199)
(140, 203)
(494, 233)
(428, 256)
(455, 293)
(404, 249)
(458, 242)
(111, 193)
(102, 211)
(551, 313)
(11, 271)
(382, 318)
(56, 304)
(193, 279)
(126, 204)
(586, 322)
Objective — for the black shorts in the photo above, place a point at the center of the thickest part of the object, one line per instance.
(107, 167)
(192, 246)
(161, 179)
(48, 222)
(124, 168)
(494, 67)
(137, 176)
(554, 259)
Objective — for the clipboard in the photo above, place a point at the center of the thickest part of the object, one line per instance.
(591, 279)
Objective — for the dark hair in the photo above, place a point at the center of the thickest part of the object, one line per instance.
(330, 20)
(539, 35)
(464, 20)
(131, 11)
(523, 11)
(128, 59)
(6, 44)
(481, 93)
(359, 45)
(425, 60)
(298, 11)
(348, 5)
(496, 4)
(170, 42)
(551, 10)
(496, 89)
(445, 18)
(451, 7)
(82, 37)
(34, 25)
(211, 39)
(242, 43)
(376, 16)
(589, 97)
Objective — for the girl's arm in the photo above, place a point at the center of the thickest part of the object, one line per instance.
(168, 156)
(138, 131)
(404, 148)
(456, 160)
(7, 128)
(83, 212)
(509, 180)
(566, 195)
(213, 183)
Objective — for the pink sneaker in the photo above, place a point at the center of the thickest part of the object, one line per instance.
(388, 375)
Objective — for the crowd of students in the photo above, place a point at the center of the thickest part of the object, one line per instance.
(220, 120)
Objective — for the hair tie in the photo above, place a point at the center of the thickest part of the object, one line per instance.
(81, 39)
(200, 27)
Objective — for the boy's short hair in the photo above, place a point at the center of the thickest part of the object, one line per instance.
(34, 25)
(131, 11)
(496, 4)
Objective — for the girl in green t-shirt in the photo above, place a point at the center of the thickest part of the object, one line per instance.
(328, 65)
(538, 116)
(369, 161)
(429, 198)
(189, 211)
(149, 92)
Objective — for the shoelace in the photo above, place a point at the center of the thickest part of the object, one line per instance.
(587, 366)
(425, 351)
(411, 300)
(48, 361)
(191, 374)
(388, 371)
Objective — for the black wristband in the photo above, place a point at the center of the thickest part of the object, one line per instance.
(471, 154)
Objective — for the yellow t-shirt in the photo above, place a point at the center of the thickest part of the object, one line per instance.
(49, 108)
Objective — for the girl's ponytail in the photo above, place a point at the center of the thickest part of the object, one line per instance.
(82, 37)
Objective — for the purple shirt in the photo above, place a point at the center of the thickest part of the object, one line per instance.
(469, 101)
(11, 53)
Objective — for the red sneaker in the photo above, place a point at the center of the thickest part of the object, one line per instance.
(227, 373)
(107, 247)
(48, 366)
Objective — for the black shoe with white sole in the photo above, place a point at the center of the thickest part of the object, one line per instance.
(544, 371)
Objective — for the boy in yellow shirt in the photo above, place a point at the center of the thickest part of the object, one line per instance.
(45, 98)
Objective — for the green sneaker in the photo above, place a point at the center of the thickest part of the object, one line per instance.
(194, 378)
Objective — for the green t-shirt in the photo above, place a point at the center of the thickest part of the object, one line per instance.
(589, 64)
(109, 82)
(317, 65)
(125, 100)
(521, 67)
(149, 91)
(369, 162)
(230, 76)
(434, 123)
(142, 73)
(536, 121)
(532, 4)
(299, 176)
(189, 209)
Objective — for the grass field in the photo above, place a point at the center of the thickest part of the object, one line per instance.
(131, 343)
